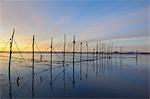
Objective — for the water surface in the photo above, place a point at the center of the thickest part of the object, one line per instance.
(109, 78)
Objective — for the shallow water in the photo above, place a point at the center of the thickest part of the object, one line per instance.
(109, 78)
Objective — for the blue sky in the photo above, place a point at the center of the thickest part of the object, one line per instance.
(89, 20)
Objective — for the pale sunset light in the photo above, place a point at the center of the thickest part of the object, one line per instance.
(88, 21)
(90, 49)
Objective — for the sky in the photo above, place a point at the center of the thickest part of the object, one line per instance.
(124, 22)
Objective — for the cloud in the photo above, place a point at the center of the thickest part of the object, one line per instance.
(47, 21)
(133, 24)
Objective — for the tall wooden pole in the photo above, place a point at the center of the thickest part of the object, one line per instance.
(73, 59)
(87, 51)
(111, 49)
(97, 59)
(102, 50)
(64, 49)
(81, 51)
(64, 63)
(80, 60)
(51, 52)
(73, 48)
(97, 51)
(33, 67)
(108, 51)
(51, 56)
(87, 59)
(116, 51)
(11, 45)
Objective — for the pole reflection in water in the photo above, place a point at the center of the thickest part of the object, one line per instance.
(93, 60)
(96, 67)
(64, 78)
(107, 65)
(32, 85)
(106, 70)
(10, 93)
(103, 65)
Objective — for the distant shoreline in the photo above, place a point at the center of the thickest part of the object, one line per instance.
(77, 52)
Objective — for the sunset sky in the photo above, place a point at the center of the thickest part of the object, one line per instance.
(125, 22)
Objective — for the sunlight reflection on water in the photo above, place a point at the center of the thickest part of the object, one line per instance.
(105, 77)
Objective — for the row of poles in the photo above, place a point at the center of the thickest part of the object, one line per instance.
(95, 51)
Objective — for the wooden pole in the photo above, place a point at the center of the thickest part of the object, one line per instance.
(87, 59)
(87, 51)
(33, 67)
(116, 51)
(41, 58)
(64, 49)
(80, 51)
(73, 59)
(64, 63)
(80, 60)
(97, 60)
(111, 50)
(103, 51)
(11, 45)
(97, 51)
(108, 51)
(51, 56)
(51, 52)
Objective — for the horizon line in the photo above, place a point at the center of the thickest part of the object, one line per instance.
(114, 52)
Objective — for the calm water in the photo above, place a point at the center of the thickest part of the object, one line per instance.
(108, 78)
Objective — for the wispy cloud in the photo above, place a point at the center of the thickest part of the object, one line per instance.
(134, 24)
(88, 21)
